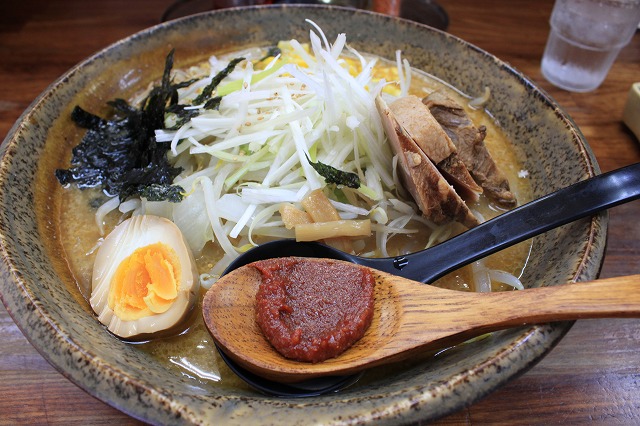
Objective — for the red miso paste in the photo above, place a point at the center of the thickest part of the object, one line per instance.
(312, 311)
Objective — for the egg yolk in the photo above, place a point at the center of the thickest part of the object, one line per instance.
(145, 282)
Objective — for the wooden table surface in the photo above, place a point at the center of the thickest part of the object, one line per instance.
(593, 375)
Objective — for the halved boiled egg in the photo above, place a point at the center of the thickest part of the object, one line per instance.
(144, 277)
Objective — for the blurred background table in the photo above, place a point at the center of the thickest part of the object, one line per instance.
(593, 375)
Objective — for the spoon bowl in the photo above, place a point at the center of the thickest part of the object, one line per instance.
(409, 318)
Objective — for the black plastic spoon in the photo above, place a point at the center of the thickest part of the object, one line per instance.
(577, 201)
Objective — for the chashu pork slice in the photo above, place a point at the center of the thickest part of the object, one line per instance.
(435, 197)
(469, 140)
(416, 119)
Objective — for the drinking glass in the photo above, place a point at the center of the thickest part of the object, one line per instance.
(585, 39)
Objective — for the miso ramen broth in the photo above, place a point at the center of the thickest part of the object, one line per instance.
(192, 353)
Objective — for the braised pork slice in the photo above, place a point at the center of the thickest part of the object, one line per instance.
(436, 198)
(416, 119)
(469, 141)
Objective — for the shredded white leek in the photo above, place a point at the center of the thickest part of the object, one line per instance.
(505, 278)
(241, 161)
(481, 100)
(103, 210)
(244, 159)
(481, 278)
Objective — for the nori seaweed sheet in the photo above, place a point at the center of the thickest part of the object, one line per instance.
(121, 154)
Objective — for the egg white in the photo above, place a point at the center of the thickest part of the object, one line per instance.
(132, 234)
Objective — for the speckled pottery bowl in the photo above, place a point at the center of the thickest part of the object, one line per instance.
(37, 286)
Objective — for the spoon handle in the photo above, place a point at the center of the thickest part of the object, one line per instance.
(579, 200)
(442, 317)
(617, 297)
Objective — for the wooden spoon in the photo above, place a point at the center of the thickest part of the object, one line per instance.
(410, 318)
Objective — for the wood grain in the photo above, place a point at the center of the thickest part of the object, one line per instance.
(417, 318)
(591, 376)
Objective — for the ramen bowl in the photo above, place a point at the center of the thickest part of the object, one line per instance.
(38, 288)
